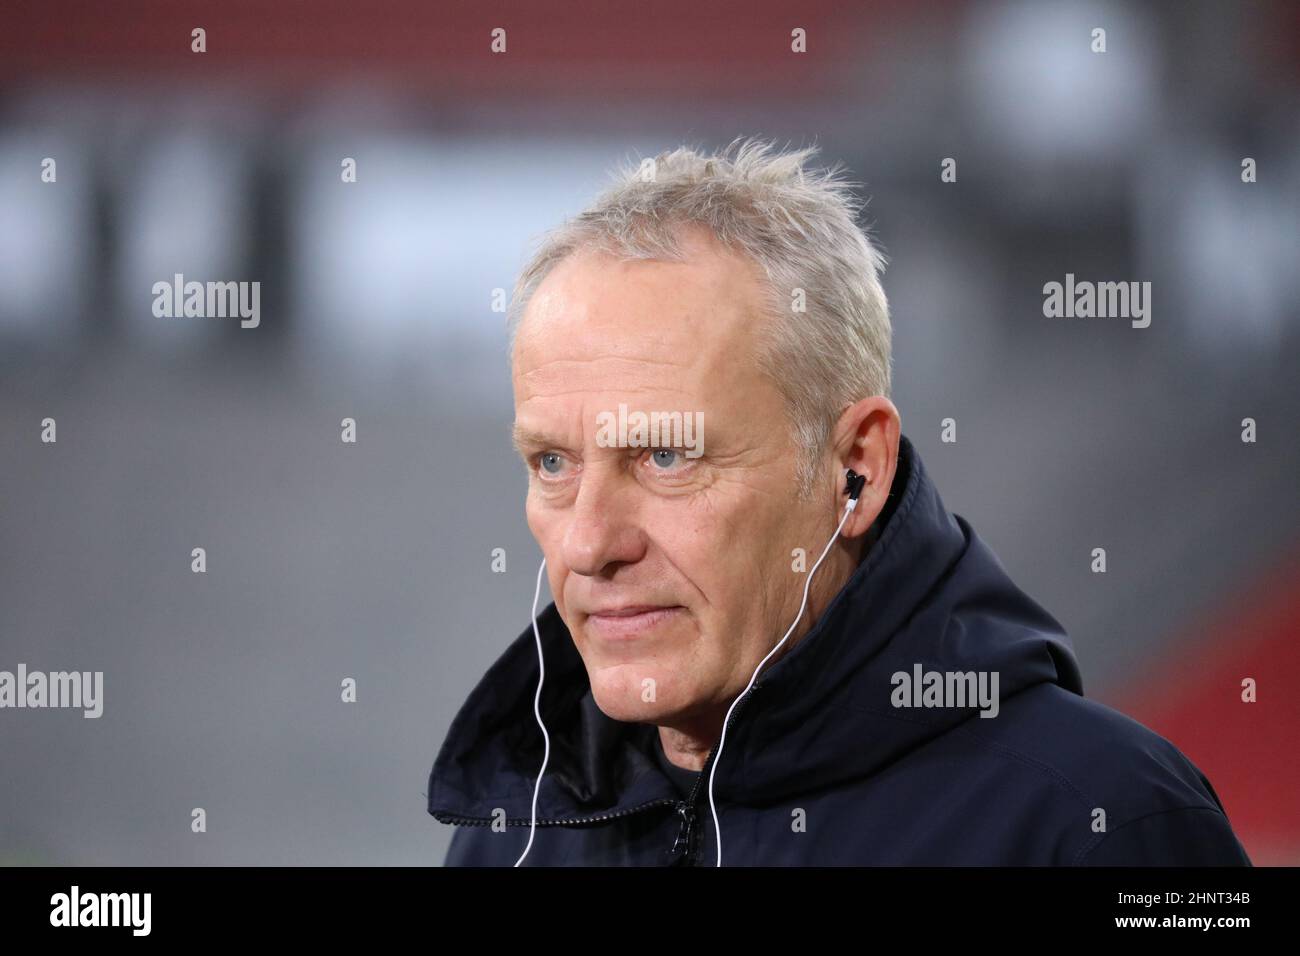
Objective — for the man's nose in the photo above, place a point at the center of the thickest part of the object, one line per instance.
(602, 530)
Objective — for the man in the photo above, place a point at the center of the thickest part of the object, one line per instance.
(922, 709)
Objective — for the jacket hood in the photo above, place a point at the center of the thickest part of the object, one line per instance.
(927, 593)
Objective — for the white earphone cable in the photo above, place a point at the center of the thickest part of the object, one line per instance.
(537, 712)
(717, 828)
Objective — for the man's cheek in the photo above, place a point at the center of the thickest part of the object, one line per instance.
(546, 529)
(533, 516)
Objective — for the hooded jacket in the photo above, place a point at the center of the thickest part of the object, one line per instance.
(833, 758)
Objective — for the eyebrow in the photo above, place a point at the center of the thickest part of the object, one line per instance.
(527, 440)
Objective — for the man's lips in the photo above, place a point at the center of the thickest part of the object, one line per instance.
(627, 610)
(630, 620)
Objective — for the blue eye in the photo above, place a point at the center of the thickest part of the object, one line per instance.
(551, 463)
(665, 462)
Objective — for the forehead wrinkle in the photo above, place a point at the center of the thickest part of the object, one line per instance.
(562, 366)
(559, 378)
(627, 391)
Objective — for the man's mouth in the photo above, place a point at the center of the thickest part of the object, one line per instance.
(632, 620)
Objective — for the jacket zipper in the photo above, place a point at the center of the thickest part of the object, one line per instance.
(687, 837)
(442, 817)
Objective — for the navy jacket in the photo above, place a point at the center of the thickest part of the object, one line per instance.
(820, 766)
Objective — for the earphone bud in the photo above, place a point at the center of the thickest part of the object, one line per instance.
(856, 482)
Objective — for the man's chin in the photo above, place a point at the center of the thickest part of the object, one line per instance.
(623, 695)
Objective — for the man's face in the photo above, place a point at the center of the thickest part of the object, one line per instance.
(665, 568)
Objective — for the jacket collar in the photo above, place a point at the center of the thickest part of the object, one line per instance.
(927, 592)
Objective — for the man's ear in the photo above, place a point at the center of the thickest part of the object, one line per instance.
(865, 439)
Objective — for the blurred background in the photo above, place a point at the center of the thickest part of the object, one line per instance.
(372, 561)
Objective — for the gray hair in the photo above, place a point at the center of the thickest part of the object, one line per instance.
(799, 225)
